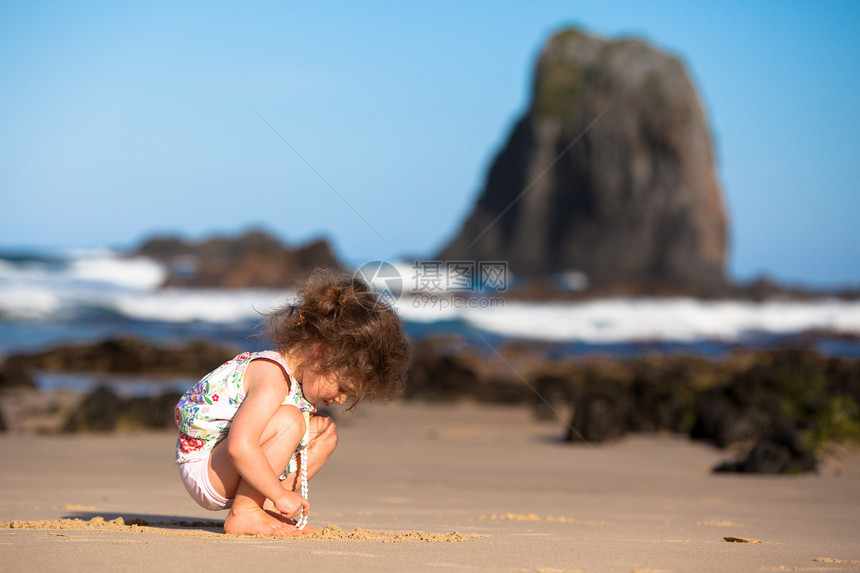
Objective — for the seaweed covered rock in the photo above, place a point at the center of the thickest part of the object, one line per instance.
(14, 373)
(153, 413)
(781, 452)
(103, 411)
(663, 396)
(447, 369)
(98, 412)
(601, 413)
(724, 418)
(800, 389)
(193, 358)
(439, 371)
(787, 403)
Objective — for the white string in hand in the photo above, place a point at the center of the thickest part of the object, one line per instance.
(302, 521)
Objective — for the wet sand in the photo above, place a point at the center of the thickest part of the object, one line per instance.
(428, 488)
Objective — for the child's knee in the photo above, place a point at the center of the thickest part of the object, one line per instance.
(288, 417)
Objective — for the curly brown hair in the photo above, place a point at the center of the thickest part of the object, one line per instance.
(340, 326)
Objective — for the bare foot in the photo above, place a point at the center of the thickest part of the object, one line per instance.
(257, 521)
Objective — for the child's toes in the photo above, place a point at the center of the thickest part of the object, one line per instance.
(285, 531)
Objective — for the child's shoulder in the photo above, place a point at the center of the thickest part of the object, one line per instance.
(267, 369)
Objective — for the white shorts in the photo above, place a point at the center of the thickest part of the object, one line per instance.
(195, 478)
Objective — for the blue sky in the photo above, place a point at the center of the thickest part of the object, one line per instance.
(122, 120)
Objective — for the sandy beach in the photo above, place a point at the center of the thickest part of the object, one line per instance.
(517, 498)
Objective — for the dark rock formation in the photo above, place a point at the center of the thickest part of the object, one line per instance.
(98, 412)
(155, 412)
(193, 358)
(789, 403)
(446, 370)
(102, 411)
(600, 413)
(254, 259)
(641, 395)
(781, 452)
(14, 373)
(610, 173)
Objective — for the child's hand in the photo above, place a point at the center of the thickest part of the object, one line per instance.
(292, 504)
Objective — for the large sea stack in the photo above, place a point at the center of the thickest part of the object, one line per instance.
(610, 172)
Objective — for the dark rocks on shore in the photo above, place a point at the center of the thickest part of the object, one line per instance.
(14, 373)
(600, 413)
(98, 412)
(780, 452)
(193, 358)
(810, 399)
(780, 407)
(103, 411)
(448, 369)
(797, 390)
(255, 259)
(787, 404)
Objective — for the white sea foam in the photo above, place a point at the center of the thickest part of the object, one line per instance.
(622, 320)
(208, 305)
(99, 268)
(137, 273)
(426, 309)
(21, 303)
(168, 305)
(104, 284)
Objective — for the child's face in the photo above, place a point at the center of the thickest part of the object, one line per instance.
(323, 389)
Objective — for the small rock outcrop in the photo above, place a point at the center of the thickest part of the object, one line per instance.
(103, 411)
(254, 259)
(782, 451)
(122, 355)
(610, 173)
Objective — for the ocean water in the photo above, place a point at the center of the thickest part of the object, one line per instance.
(83, 296)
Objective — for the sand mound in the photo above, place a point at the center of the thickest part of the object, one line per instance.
(358, 533)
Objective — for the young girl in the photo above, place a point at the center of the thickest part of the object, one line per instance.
(242, 425)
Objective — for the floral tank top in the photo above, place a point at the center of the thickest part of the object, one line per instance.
(205, 412)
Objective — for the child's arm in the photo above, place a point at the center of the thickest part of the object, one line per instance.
(266, 388)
